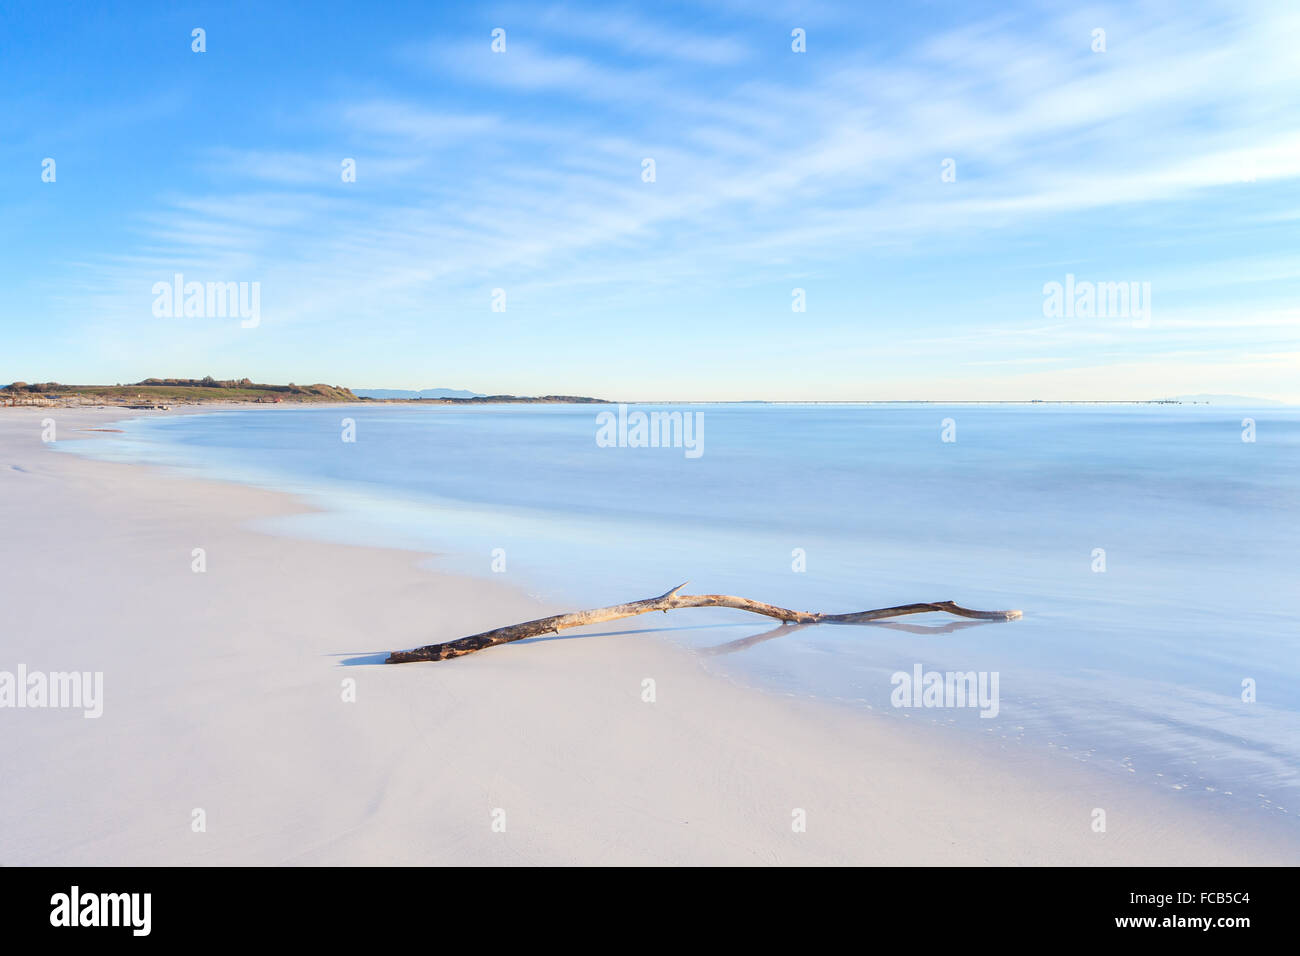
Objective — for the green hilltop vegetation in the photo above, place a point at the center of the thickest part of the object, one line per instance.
(173, 390)
(197, 391)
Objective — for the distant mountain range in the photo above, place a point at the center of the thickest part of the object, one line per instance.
(409, 393)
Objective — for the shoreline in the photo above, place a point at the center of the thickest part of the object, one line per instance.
(223, 692)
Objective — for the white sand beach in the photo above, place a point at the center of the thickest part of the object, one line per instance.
(223, 691)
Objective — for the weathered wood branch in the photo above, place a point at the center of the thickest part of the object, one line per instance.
(671, 601)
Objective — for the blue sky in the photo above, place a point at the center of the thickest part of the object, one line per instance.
(1171, 158)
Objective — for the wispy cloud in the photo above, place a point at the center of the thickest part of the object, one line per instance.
(523, 171)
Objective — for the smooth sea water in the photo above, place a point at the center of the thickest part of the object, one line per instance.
(1140, 667)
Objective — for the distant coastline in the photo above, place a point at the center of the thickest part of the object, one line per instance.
(156, 393)
(162, 393)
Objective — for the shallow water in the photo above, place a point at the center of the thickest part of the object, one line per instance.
(1138, 667)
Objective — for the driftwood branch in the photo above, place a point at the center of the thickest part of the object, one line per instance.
(671, 601)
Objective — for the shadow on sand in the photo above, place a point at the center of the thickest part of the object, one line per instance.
(731, 647)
